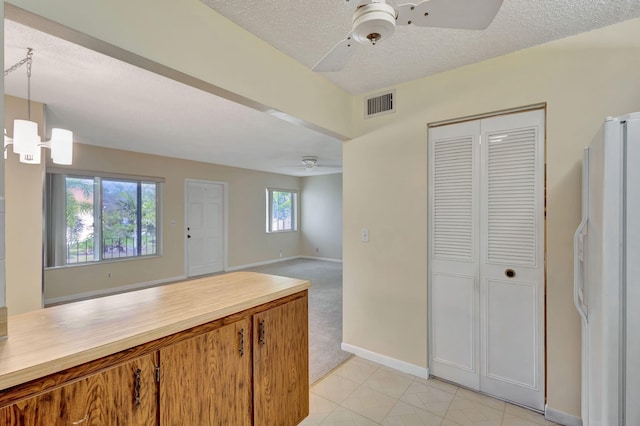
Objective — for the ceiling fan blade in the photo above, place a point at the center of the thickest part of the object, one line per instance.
(337, 57)
(461, 14)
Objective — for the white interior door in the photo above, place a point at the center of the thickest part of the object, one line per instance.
(454, 252)
(512, 259)
(487, 255)
(205, 227)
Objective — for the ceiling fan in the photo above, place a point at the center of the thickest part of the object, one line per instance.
(375, 21)
(310, 162)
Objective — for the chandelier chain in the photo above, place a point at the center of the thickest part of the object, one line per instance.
(27, 60)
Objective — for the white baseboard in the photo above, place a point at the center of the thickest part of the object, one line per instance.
(281, 259)
(139, 286)
(111, 290)
(561, 417)
(266, 262)
(396, 364)
(324, 259)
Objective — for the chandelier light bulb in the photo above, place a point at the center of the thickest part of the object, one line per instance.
(25, 137)
(61, 146)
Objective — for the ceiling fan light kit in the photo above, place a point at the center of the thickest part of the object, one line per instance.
(373, 23)
(309, 162)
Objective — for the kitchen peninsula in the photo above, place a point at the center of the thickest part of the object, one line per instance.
(227, 349)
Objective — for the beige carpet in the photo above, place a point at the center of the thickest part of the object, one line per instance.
(325, 310)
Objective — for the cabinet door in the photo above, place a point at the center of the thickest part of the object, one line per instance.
(281, 364)
(123, 395)
(206, 380)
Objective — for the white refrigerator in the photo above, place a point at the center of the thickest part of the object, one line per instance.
(607, 275)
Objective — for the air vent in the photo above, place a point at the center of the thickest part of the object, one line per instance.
(380, 104)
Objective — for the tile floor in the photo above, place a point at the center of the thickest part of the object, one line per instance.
(362, 393)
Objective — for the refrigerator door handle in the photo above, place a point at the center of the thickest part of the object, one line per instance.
(578, 270)
(578, 243)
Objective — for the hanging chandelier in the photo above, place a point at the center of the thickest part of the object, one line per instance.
(26, 141)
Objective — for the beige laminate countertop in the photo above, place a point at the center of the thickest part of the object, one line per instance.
(49, 340)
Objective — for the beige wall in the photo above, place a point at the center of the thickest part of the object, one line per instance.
(321, 216)
(248, 241)
(23, 236)
(582, 79)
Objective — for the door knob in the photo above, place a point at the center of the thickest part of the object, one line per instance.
(188, 236)
(510, 273)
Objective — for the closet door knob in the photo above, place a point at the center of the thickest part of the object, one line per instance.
(509, 273)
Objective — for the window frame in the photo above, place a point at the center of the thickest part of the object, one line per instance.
(294, 213)
(56, 255)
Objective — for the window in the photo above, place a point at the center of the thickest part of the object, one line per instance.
(282, 210)
(96, 218)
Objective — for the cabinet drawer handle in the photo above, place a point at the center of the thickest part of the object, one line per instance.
(136, 388)
(261, 333)
(241, 335)
(82, 420)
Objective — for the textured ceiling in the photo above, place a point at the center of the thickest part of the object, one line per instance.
(307, 30)
(110, 103)
(107, 102)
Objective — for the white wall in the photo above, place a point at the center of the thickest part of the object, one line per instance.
(582, 79)
(321, 216)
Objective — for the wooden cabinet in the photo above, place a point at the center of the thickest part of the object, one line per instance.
(206, 379)
(248, 368)
(217, 367)
(121, 395)
(281, 364)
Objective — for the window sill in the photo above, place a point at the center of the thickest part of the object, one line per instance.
(103, 262)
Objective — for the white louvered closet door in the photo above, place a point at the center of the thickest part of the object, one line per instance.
(512, 259)
(486, 255)
(454, 246)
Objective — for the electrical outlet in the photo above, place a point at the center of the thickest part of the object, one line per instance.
(364, 235)
(280, 252)
(317, 250)
(109, 275)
